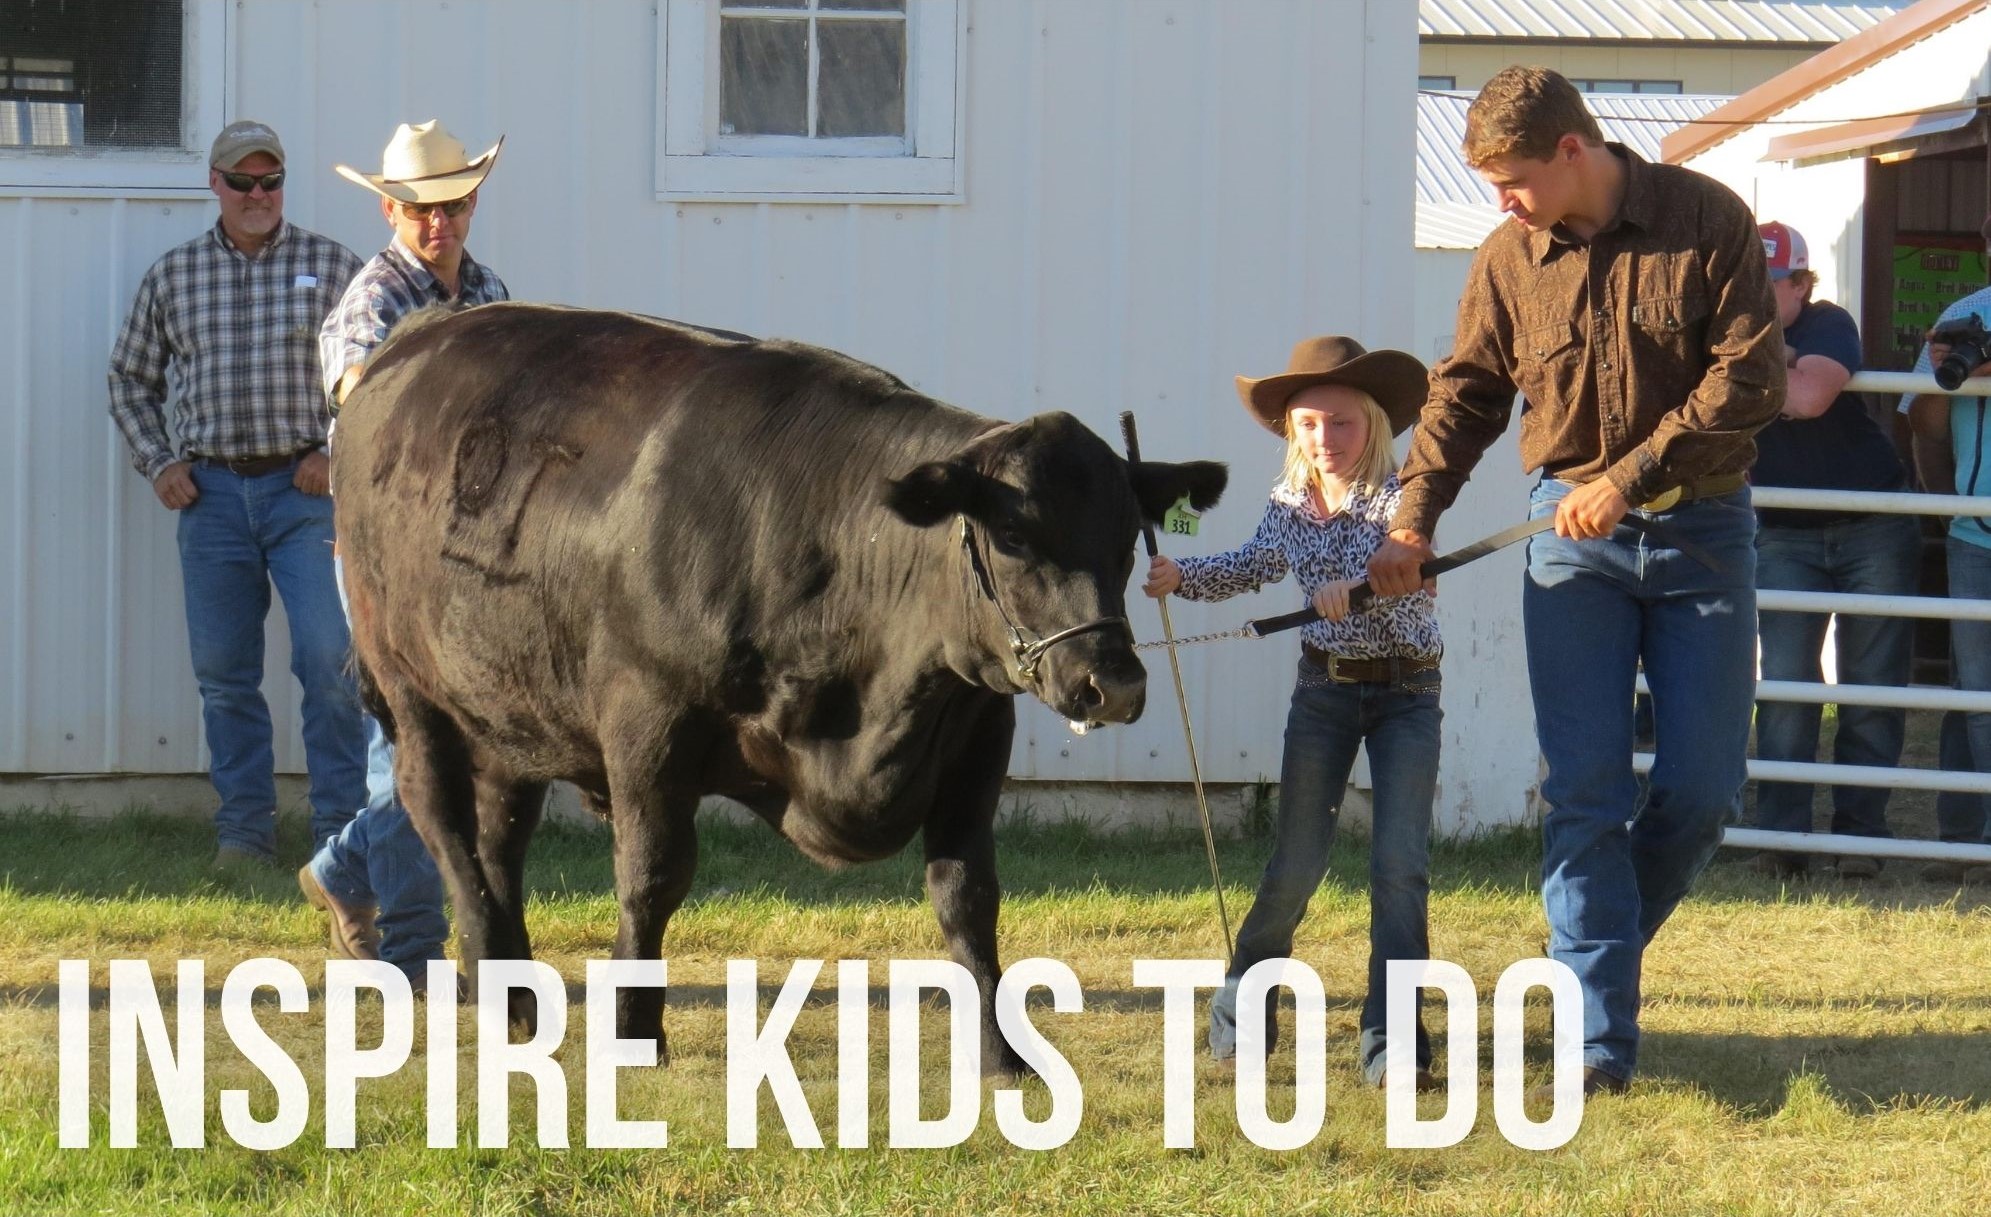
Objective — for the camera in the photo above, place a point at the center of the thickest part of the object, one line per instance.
(1970, 345)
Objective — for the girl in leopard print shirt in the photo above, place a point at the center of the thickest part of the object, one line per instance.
(1367, 677)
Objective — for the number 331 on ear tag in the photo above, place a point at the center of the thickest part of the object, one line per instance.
(1181, 519)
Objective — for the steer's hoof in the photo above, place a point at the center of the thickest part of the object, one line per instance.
(1005, 1066)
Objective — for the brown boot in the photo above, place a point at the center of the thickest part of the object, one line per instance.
(1595, 1082)
(353, 933)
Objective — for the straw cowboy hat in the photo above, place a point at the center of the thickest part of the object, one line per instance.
(424, 163)
(1394, 379)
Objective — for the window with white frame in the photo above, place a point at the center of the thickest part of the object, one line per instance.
(809, 99)
(109, 95)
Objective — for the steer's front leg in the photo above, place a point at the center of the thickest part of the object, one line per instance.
(961, 872)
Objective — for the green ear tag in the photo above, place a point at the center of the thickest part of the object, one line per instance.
(1181, 519)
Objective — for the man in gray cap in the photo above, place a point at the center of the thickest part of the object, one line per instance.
(235, 312)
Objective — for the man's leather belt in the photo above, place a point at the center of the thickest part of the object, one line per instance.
(1388, 669)
(255, 466)
(1710, 487)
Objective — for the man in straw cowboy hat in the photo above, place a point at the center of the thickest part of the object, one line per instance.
(232, 311)
(1629, 303)
(375, 878)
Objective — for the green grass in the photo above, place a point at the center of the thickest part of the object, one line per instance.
(1816, 1048)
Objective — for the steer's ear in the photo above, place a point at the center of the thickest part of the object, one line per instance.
(931, 493)
(1159, 484)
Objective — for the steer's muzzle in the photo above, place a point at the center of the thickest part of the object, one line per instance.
(1106, 686)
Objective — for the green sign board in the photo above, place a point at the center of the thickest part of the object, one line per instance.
(1927, 280)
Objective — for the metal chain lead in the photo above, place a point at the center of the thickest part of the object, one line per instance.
(1195, 639)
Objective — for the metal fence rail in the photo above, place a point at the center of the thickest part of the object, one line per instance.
(1909, 697)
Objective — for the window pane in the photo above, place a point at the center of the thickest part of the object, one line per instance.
(91, 73)
(1659, 86)
(1437, 82)
(875, 6)
(763, 3)
(763, 77)
(862, 78)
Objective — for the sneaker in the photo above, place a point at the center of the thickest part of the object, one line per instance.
(353, 932)
(1778, 864)
(1858, 866)
(1595, 1082)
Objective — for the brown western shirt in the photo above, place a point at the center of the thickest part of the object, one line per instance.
(1648, 355)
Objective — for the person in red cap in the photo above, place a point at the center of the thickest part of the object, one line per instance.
(1365, 677)
(1825, 440)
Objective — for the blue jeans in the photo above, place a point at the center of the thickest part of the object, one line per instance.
(239, 536)
(1873, 555)
(1326, 724)
(1613, 865)
(1959, 815)
(380, 859)
(1970, 659)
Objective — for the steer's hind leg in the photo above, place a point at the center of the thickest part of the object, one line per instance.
(652, 805)
(508, 812)
(961, 872)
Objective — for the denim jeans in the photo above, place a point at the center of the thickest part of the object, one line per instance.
(238, 537)
(380, 859)
(1970, 659)
(1872, 555)
(1959, 815)
(1615, 865)
(1324, 727)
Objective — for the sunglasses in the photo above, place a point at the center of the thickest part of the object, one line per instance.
(420, 211)
(243, 183)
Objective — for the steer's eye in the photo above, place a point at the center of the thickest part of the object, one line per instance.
(1009, 539)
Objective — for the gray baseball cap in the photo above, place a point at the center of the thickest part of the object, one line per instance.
(241, 138)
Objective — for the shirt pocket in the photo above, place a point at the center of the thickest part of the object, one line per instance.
(1669, 325)
(1545, 357)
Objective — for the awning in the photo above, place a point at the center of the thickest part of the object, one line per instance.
(1896, 137)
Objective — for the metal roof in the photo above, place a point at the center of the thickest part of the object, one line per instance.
(1801, 21)
(1449, 192)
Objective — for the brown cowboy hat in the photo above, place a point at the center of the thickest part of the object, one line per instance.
(1394, 379)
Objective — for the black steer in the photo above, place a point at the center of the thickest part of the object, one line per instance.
(659, 562)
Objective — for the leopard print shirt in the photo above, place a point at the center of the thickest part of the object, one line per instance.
(1294, 537)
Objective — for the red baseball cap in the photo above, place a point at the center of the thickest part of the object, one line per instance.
(1783, 247)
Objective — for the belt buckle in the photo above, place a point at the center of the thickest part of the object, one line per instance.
(1664, 502)
(1334, 672)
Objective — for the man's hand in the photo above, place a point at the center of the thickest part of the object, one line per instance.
(1331, 601)
(1393, 569)
(1590, 511)
(314, 473)
(1164, 577)
(1939, 351)
(175, 486)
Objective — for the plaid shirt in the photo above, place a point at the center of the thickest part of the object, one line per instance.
(237, 331)
(391, 285)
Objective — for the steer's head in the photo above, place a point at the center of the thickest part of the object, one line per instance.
(1043, 517)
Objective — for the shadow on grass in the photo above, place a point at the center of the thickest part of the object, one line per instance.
(139, 854)
(1861, 1074)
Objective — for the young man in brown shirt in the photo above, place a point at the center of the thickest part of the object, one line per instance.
(1629, 304)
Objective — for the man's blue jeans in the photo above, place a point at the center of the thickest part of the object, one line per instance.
(380, 859)
(1872, 555)
(239, 536)
(1959, 816)
(1326, 724)
(1615, 865)
(1970, 659)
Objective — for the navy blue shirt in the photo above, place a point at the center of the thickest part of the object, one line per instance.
(1841, 449)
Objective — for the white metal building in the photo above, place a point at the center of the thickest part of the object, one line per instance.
(1086, 205)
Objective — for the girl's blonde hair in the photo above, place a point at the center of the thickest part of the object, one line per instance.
(1372, 468)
